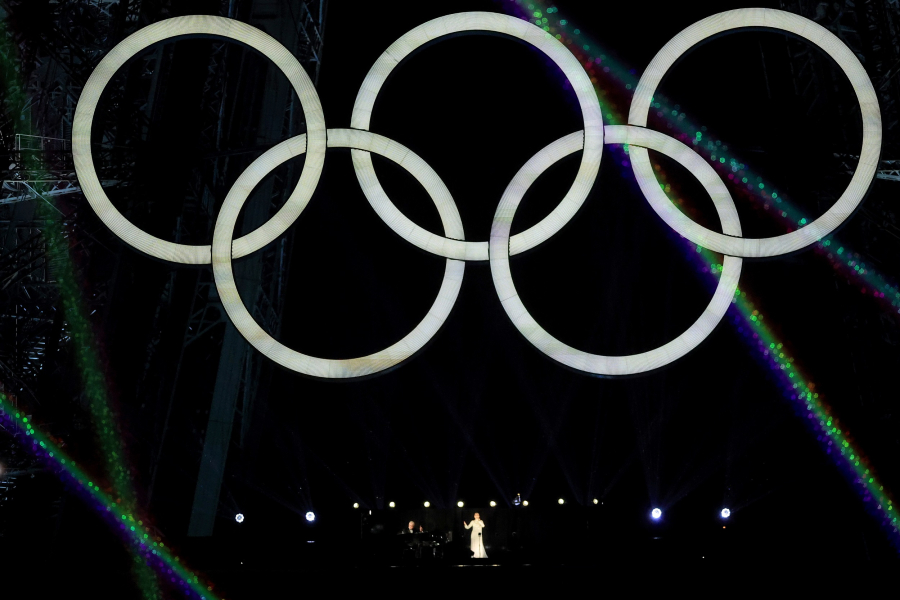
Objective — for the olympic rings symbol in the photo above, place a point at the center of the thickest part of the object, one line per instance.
(453, 245)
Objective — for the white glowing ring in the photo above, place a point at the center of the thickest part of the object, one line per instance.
(868, 103)
(594, 363)
(453, 245)
(521, 30)
(265, 343)
(197, 25)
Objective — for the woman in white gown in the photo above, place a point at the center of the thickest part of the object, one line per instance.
(477, 539)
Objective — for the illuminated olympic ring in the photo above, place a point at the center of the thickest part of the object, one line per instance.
(452, 244)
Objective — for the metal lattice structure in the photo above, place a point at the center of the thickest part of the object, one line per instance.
(49, 49)
(241, 372)
(871, 28)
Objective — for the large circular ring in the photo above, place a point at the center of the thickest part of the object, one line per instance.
(275, 350)
(594, 363)
(521, 30)
(868, 103)
(197, 25)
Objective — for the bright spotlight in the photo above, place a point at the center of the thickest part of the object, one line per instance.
(493, 504)
(356, 505)
(460, 504)
(391, 504)
(239, 518)
(525, 503)
(310, 516)
(596, 501)
(561, 501)
(427, 504)
(656, 513)
(726, 512)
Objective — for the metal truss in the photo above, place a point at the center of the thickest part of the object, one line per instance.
(889, 170)
(311, 24)
(40, 167)
(46, 57)
(880, 34)
(33, 323)
(237, 389)
(240, 376)
(871, 28)
(8, 484)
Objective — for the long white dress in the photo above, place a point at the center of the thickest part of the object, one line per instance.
(477, 539)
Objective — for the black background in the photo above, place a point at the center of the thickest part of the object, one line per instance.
(479, 414)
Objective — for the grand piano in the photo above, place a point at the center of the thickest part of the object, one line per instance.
(424, 544)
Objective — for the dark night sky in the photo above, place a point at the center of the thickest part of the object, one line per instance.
(480, 414)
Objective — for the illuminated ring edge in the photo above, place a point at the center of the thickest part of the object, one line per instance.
(518, 29)
(185, 26)
(594, 363)
(265, 343)
(869, 110)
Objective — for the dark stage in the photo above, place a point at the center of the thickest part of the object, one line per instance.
(192, 421)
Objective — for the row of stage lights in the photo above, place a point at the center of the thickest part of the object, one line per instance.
(310, 516)
(655, 514)
(460, 504)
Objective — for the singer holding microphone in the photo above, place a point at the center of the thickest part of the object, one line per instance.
(477, 539)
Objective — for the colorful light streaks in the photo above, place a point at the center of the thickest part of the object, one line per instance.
(604, 69)
(79, 328)
(818, 415)
(93, 382)
(748, 319)
(148, 550)
(807, 402)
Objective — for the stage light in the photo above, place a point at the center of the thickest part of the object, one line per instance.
(239, 518)
(427, 504)
(460, 504)
(525, 503)
(561, 501)
(391, 504)
(310, 516)
(656, 513)
(493, 504)
(356, 505)
(596, 501)
(726, 512)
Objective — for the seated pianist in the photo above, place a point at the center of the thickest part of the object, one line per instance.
(411, 528)
(414, 542)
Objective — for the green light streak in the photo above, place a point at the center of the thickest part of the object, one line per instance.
(796, 386)
(92, 376)
(139, 536)
(775, 204)
(837, 440)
